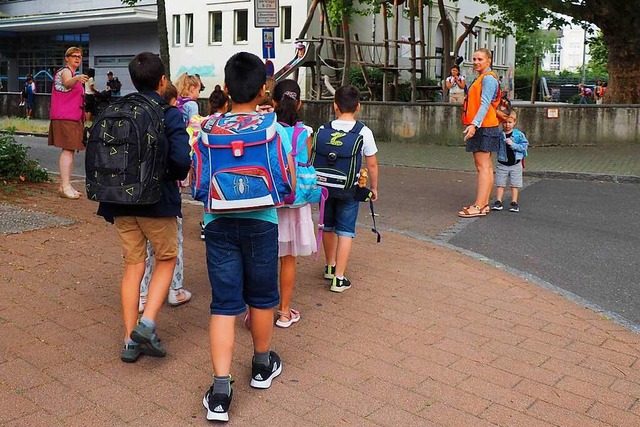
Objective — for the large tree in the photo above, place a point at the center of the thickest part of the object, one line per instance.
(618, 20)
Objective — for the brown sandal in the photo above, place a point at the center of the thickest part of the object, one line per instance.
(466, 212)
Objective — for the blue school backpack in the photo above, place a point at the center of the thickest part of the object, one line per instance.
(337, 158)
(239, 164)
(306, 189)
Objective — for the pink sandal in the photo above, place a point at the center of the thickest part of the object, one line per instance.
(292, 317)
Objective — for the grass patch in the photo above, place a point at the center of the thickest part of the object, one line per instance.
(20, 124)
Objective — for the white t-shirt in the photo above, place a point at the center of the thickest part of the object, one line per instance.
(369, 147)
(87, 86)
(455, 88)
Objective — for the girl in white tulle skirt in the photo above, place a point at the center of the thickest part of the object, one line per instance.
(296, 232)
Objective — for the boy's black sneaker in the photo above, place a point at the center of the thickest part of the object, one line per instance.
(217, 405)
(514, 207)
(262, 375)
(340, 285)
(497, 206)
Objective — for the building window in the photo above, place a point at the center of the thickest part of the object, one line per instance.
(215, 27)
(286, 23)
(503, 50)
(242, 26)
(176, 30)
(554, 60)
(487, 35)
(472, 46)
(189, 32)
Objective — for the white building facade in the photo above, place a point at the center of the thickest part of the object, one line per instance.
(570, 52)
(204, 34)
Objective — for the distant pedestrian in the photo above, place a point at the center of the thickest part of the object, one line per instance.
(598, 91)
(482, 132)
(90, 95)
(512, 151)
(28, 95)
(113, 84)
(66, 117)
(457, 85)
(585, 94)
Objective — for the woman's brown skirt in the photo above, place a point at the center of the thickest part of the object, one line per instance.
(66, 134)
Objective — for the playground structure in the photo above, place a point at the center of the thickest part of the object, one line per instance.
(328, 56)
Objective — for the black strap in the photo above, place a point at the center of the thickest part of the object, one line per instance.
(375, 228)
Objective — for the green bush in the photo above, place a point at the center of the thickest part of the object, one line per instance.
(15, 163)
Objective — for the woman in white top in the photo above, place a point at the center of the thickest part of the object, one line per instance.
(456, 83)
(90, 95)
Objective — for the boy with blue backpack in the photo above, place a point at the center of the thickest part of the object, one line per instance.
(338, 148)
(241, 190)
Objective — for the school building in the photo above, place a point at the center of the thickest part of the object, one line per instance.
(202, 35)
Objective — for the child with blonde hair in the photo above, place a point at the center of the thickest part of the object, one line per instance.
(188, 91)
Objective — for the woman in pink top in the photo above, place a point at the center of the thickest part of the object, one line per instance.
(66, 114)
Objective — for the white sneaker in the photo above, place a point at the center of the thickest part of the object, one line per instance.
(178, 296)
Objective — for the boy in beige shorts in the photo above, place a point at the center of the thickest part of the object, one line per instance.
(156, 222)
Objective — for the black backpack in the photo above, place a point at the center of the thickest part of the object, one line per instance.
(337, 157)
(124, 161)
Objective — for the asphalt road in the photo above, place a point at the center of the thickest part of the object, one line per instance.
(583, 237)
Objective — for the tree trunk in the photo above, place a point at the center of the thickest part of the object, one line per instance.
(347, 49)
(305, 27)
(447, 42)
(163, 37)
(623, 86)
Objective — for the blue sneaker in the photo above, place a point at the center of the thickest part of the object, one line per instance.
(148, 340)
(130, 353)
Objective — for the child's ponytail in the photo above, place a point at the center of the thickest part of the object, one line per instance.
(287, 95)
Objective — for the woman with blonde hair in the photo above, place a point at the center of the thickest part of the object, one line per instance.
(66, 117)
(482, 132)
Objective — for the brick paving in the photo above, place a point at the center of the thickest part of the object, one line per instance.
(426, 337)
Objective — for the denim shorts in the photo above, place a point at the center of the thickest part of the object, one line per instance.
(340, 216)
(511, 174)
(242, 259)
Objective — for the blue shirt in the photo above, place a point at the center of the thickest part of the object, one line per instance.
(269, 214)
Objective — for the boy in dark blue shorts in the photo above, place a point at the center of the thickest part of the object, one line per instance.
(242, 259)
(340, 215)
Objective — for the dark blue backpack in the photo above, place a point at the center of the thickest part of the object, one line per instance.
(337, 157)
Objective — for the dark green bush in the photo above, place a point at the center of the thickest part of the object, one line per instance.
(15, 163)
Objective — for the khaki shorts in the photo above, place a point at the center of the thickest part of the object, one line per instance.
(134, 231)
(456, 97)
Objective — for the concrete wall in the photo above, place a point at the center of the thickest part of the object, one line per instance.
(440, 124)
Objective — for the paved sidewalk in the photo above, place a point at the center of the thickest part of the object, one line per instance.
(425, 337)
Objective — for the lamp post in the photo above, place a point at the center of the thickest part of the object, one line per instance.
(584, 55)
